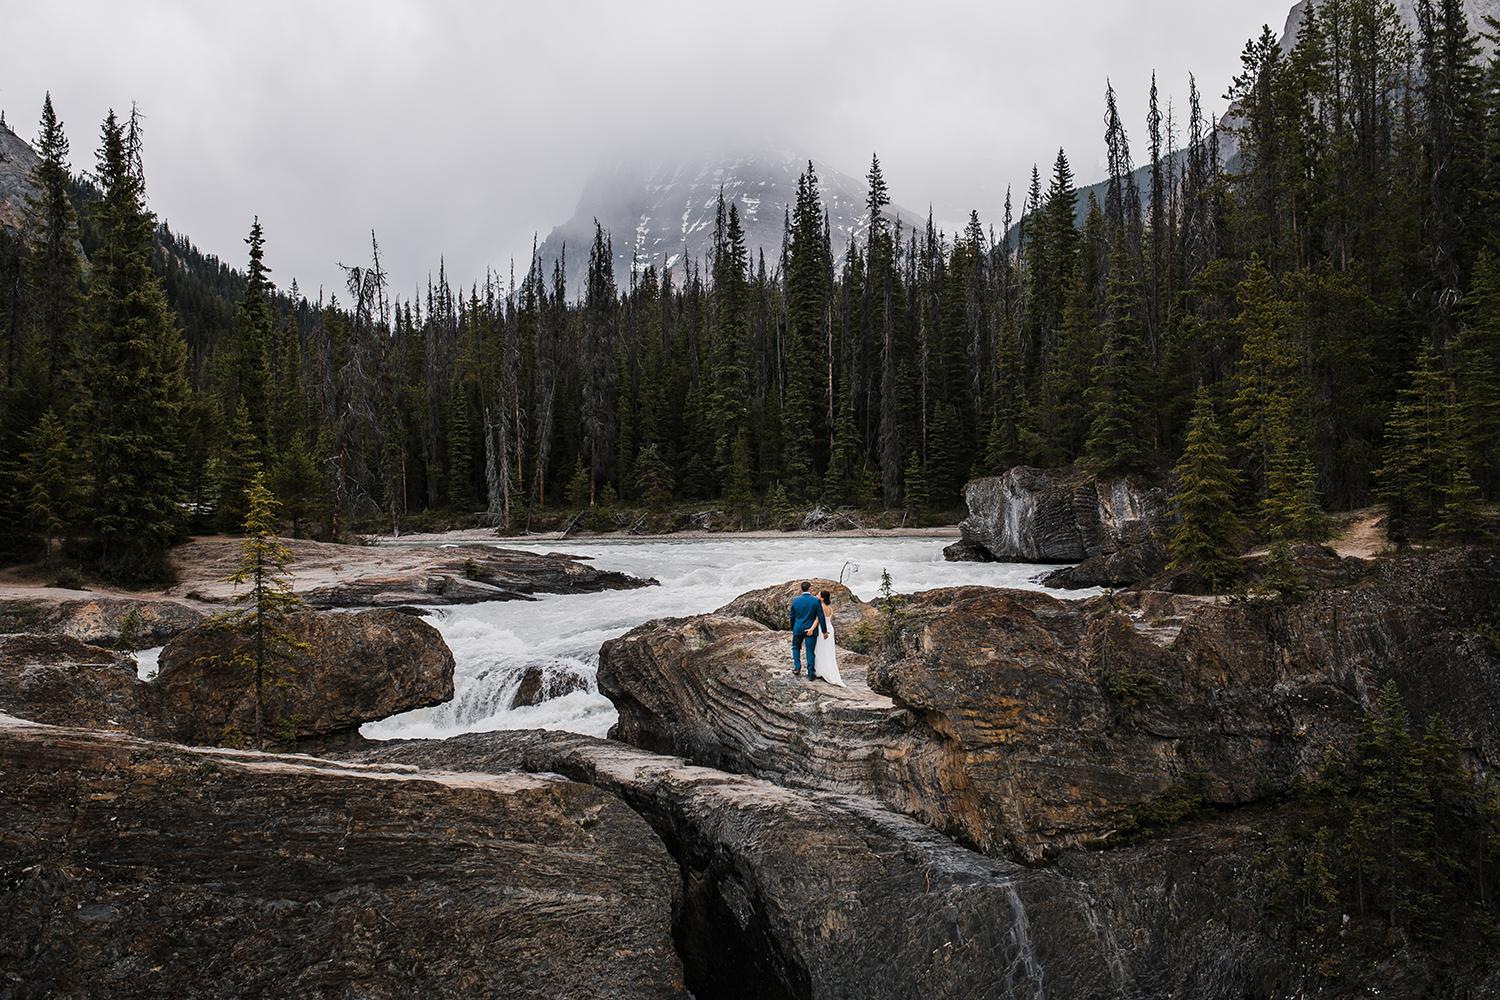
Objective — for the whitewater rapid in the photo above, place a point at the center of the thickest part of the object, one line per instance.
(495, 643)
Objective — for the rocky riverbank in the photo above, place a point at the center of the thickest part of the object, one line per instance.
(953, 823)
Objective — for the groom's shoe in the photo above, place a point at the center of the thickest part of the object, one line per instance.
(813, 677)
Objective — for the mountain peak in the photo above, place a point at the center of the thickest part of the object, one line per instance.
(659, 208)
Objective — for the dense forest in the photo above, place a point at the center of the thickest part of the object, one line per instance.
(1313, 326)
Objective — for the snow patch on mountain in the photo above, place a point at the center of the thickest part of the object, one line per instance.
(660, 212)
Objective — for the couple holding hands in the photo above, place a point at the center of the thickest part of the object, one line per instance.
(811, 615)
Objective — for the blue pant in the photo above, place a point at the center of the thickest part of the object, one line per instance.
(812, 643)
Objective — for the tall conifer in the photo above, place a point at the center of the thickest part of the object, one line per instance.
(135, 378)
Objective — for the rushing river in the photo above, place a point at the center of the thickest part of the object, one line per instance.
(494, 644)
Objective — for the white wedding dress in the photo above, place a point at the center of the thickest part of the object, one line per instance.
(828, 657)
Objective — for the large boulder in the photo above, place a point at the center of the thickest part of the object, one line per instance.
(103, 621)
(62, 681)
(771, 607)
(1021, 723)
(134, 869)
(351, 668)
(1057, 516)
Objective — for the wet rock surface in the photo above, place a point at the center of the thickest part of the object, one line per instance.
(60, 680)
(797, 893)
(351, 669)
(1018, 722)
(470, 574)
(101, 621)
(138, 869)
(1059, 516)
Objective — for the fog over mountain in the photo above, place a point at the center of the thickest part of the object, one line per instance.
(660, 211)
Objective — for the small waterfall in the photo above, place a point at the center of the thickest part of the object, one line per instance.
(1023, 977)
(512, 683)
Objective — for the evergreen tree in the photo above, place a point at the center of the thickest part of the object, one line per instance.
(262, 618)
(1478, 373)
(806, 319)
(296, 484)
(653, 480)
(53, 266)
(1207, 531)
(253, 331)
(50, 497)
(1400, 804)
(460, 448)
(596, 414)
(237, 468)
(1265, 377)
(134, 378)
(1121, 426)
(729, 410)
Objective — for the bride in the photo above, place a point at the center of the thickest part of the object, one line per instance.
(828, 662)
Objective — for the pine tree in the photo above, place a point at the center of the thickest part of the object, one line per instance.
(1421, 459)
(261, 619)
(729, 410)
(237, 469)
(460, 443)
(1121, 425)
(1265, 377)
(653, 480)
(1399, 810)
(53, 266)
(806, 319)
(1478, 371)
(296, 484)
(50, 497)
(1207, 531)
(134, 377)
(253, 331)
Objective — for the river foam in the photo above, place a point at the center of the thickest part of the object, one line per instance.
(494, 644)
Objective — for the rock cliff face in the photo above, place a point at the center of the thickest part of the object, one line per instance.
(138, 869)
(1058, 515)
(1020, 722)
(351, 669)
(797, 893)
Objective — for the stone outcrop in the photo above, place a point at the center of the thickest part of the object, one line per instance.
(351, 669)
(62, 681)
(472, 574)
(101, 621)
(793, 893)
(1059, 516)
(1130, 565)
(377, 576)
(1020, 722)
(796, 893)
(770, 606)
(135, 869)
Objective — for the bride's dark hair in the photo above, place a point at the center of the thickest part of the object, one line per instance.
(826, 599)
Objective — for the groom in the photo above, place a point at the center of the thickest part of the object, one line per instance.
(807, 621)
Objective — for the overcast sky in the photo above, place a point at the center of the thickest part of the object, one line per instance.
(459, 129)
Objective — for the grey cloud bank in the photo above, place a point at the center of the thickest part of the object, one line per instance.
(458, 130)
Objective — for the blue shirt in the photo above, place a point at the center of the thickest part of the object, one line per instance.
(805, 610)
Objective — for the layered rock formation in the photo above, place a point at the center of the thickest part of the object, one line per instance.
(1020, 722)
(101, 621)
(350, 669)
(60, 680)
(1066, 516)
(389, 576)
(794, 893)
(138, 869)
